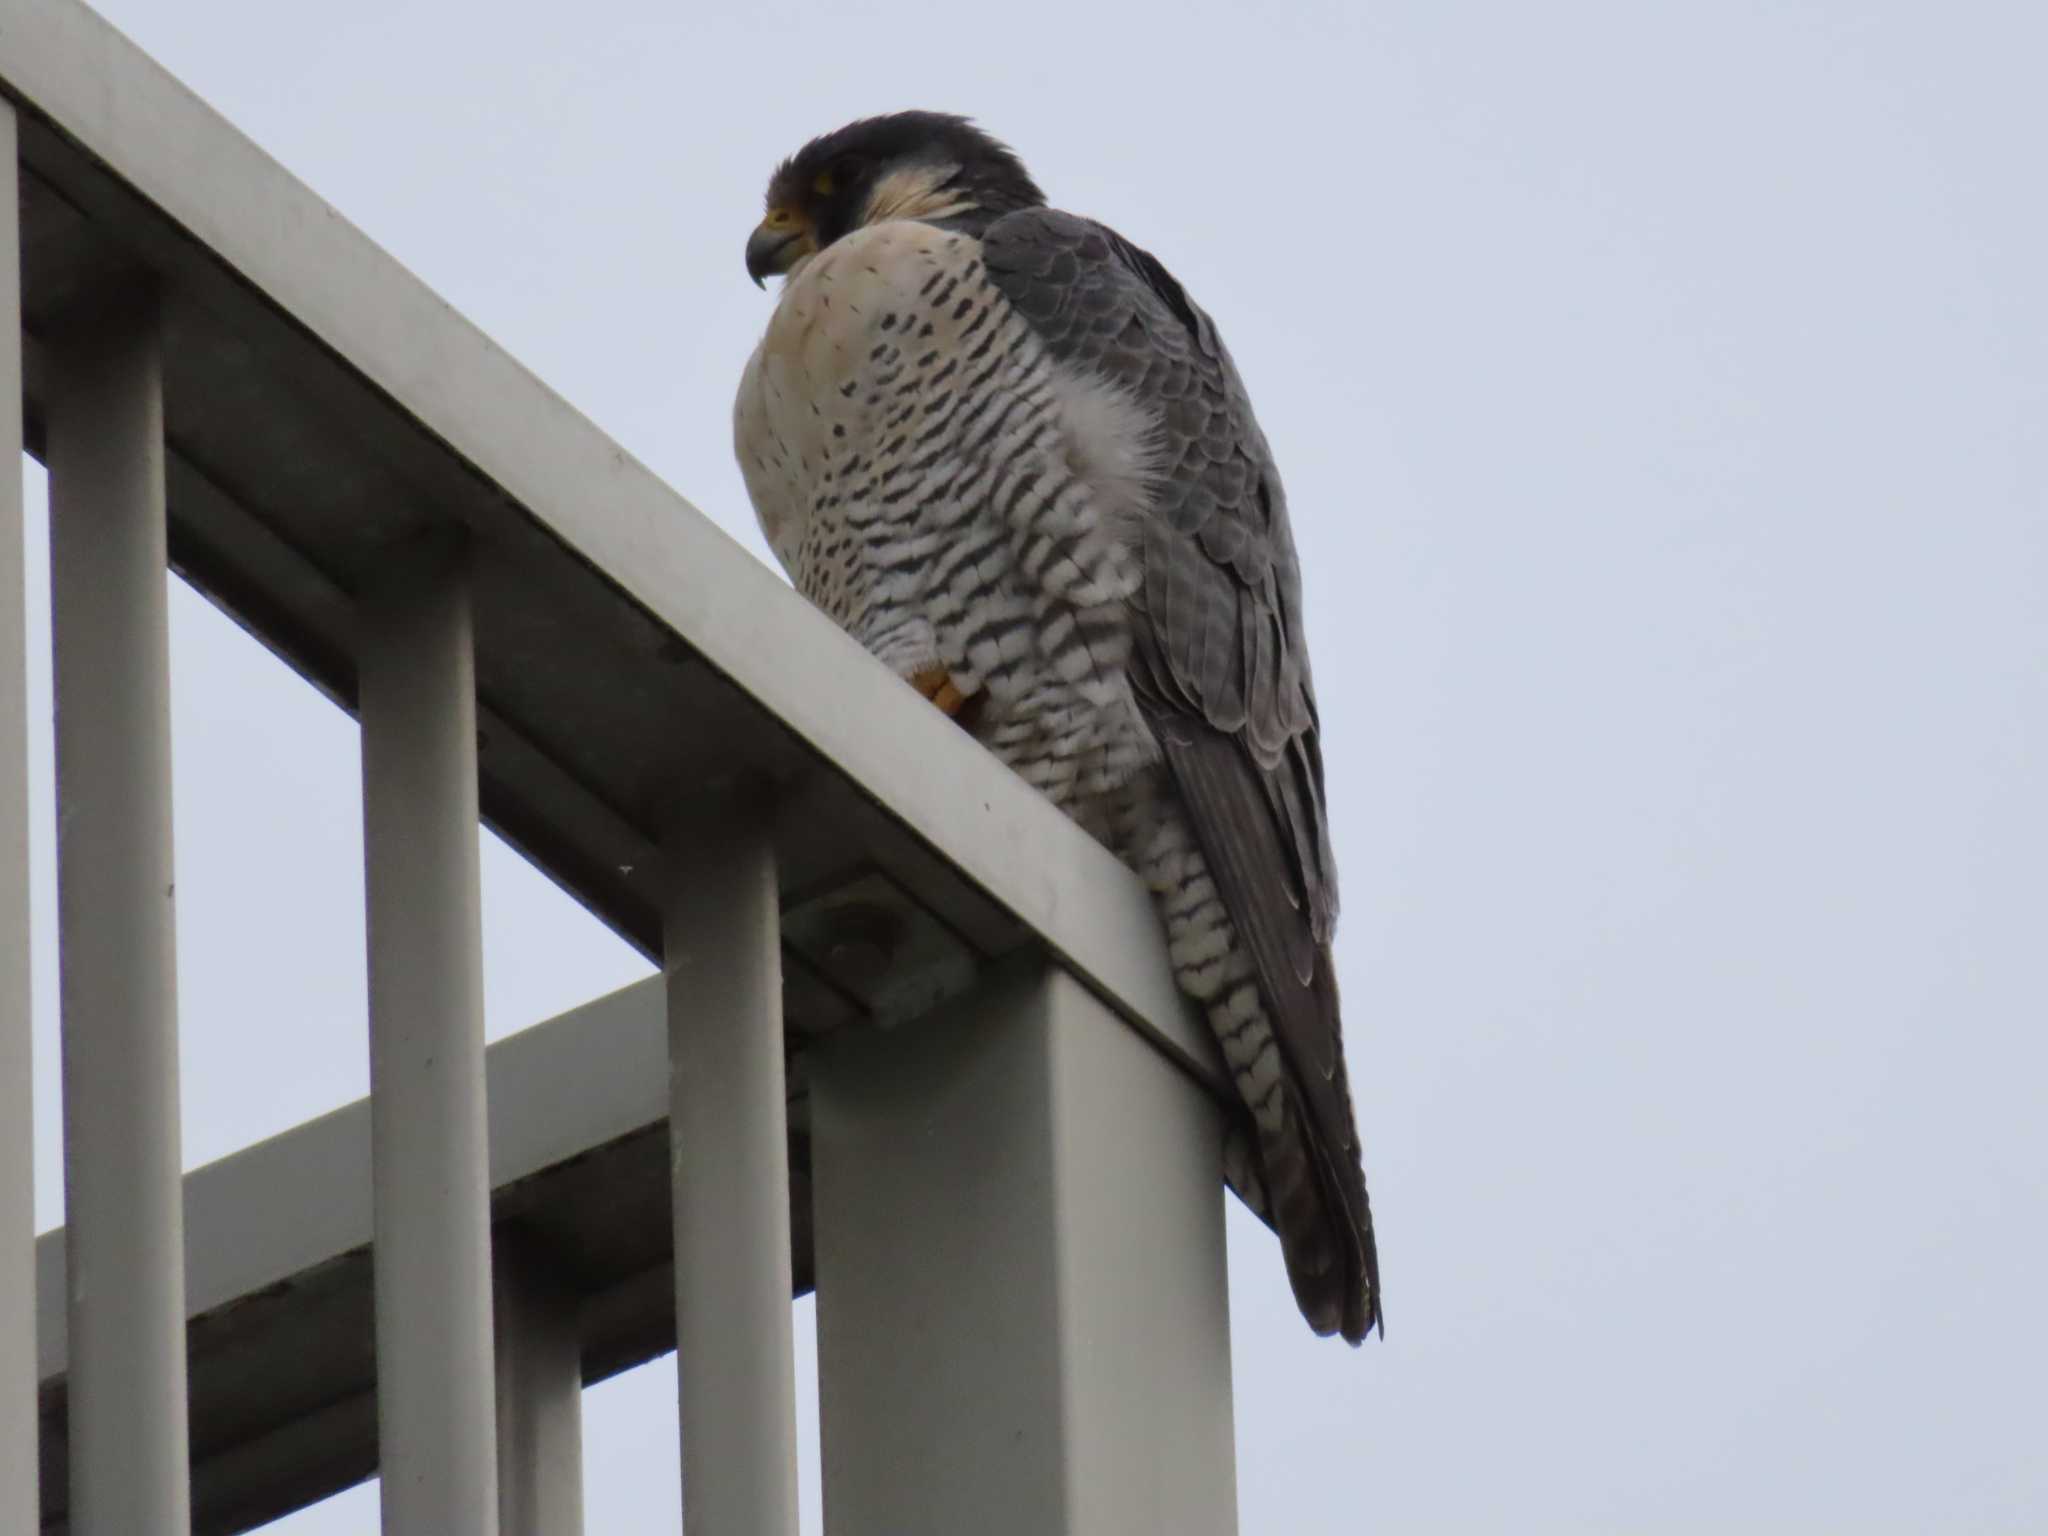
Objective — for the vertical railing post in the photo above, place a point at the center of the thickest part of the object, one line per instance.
(124, 1237)
(435, 1401)
(1023, 1320)
(19, 1512)
(540, 1393)
(729, 1165)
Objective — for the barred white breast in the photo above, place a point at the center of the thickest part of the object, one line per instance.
(934, 481)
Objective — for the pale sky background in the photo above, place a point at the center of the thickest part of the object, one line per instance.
(1660, 390)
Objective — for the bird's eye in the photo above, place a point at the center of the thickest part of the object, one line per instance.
(822, 184)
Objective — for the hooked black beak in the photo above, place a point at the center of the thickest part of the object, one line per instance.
(776, 245)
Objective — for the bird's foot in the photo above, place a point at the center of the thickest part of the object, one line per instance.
(937, 686)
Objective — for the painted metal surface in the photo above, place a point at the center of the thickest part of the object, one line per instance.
(540, 1390)
(18, 1481)
(1023, 1319)
(283, 1364)
(435, 1398)
(115, 895)
(729, 1165)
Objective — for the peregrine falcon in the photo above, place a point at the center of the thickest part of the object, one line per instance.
(1002, 447)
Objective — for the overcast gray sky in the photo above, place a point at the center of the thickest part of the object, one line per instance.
(1660, 391)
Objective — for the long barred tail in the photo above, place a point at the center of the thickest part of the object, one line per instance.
(1272, 1158)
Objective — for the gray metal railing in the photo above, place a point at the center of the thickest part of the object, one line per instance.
(18, 1473)
(915, 1043)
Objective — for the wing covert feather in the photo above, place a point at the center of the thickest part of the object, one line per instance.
(1219, 659)
(1220, 608)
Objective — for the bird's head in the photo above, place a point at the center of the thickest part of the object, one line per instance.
(908, 165)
